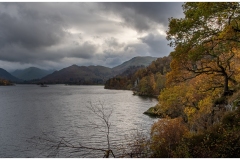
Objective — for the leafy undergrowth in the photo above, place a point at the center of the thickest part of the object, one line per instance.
(221, 141)
(171, 138)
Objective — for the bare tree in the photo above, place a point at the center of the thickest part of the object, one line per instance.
(52, 145)
(135, 144)
(103, 115)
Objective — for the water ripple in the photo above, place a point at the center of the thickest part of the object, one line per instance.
(61, 111)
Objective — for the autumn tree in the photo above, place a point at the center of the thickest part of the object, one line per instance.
(166, 135)
(204, 63)
(191, 100)
(206, 41)
(160, 81)
(143, 85)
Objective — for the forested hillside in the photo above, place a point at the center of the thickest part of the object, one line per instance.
(143, 80)
(200, 105)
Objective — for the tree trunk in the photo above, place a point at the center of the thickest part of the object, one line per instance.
(226, 88)
(225, 84)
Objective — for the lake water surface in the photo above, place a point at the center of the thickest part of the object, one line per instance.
(28, 111)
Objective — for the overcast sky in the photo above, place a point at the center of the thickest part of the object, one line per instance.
(57, 35)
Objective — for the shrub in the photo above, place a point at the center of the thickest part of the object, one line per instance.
(166, 135)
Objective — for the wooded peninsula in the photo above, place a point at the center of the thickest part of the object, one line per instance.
(4, 82)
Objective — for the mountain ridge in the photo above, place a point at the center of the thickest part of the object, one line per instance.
(31, 73)
(75, 74)
(135, 61)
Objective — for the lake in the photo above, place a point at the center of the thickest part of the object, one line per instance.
(29, 112)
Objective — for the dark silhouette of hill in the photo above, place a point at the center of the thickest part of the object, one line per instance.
(93, 74)
(31, 73)
(7, 76)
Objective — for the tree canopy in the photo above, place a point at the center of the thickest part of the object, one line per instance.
(202, 86)
(206, 41)
(204, 67)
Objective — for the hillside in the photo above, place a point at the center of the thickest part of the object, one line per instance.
(31, 73)
(143, 80)
(136, 61)
(101, 71)
(79, 75)
(7, 76)
(92, 74)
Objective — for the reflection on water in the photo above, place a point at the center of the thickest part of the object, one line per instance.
(60, 111)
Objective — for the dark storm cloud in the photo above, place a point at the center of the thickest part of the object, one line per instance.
(157, 44)
(25, 36)
(113, 61)
(85, 50)
(113, 42)
(114, 57)
(142, 15)
(28, 30)
(16, 53)
(60, 34)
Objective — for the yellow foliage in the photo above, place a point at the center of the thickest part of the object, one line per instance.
(190, 112)
(205, 105)
(172, 99)
(191, 98)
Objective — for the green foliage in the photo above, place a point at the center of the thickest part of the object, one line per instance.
(160, 81)
(143, 85)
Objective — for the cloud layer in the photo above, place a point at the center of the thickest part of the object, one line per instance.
(57, 35)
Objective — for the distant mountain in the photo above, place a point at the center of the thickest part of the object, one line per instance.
(79, 75)
(31, 73)
(101, 71)
(5, 75)
(136, 61)
(93, 74)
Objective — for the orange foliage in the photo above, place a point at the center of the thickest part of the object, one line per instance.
(166, 135)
